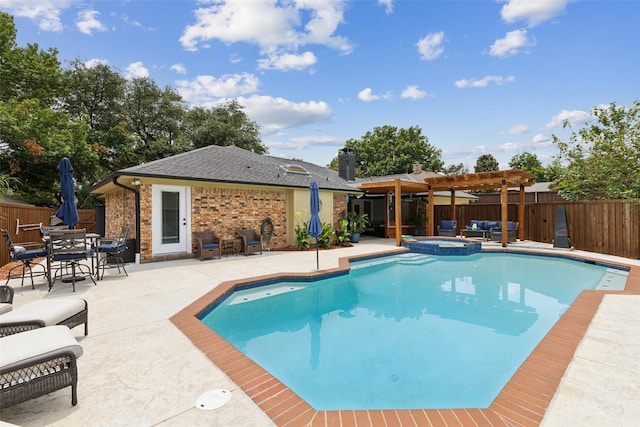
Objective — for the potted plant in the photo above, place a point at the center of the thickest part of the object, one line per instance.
(419, 221)
(357, 223)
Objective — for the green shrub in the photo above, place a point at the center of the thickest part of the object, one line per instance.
(303, 240)
(326, 238)
(342, 234)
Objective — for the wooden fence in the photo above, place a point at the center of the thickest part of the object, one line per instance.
(12, 214)
(608, 227)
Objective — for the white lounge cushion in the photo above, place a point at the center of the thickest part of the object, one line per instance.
(50, 311)
(5, 307)
(35, 344)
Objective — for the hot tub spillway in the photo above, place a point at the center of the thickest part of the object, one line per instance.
(445, 247)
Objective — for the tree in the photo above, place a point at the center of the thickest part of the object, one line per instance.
(389, 150)
(458, 169)
(486, 163)
(223, 125)
(525, 161)
(28, 72)
(602, 157)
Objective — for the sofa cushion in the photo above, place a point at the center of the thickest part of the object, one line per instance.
(5, 307)
(447, 225)
(20, 348)
(488, 225)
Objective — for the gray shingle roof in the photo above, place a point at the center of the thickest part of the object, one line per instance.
(236, 165)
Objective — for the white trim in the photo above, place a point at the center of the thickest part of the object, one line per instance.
(184, 245)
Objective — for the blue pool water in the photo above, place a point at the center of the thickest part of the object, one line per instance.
(406, 331)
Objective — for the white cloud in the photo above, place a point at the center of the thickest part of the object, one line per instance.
(281, 27)
(45, 12)
(179, 68)
(95, 61)
(540, 139)
(517, 129)
(510, 44)
(367, 95)
(430, 46)
(87, 22)
(135, 70)
(412, 92)
(573, 117)
(275, 114)
(288, 61)
(301, 143)
(388, 5)
(533, 12)
(484, 82)
(207, 89)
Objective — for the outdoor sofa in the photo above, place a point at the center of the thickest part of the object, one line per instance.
(447, 228)
(38, 362)
(491, 229)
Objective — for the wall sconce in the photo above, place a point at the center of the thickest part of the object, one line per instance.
(135, 182)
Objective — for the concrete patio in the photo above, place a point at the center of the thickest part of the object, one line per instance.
(139, 370)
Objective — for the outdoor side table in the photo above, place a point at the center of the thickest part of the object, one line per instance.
(230, 246)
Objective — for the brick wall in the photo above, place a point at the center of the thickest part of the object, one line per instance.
(224, 210)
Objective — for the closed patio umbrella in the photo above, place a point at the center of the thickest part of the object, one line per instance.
(68, 212)
(315, 226)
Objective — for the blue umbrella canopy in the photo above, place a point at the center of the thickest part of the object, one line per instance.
(68, 212)
(314, 228)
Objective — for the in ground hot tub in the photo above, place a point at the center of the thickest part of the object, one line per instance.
(445, 246)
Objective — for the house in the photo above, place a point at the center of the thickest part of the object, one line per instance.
(217, 188)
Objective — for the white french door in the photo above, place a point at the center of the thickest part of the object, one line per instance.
(171, 222)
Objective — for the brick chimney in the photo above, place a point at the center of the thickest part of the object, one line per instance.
(417, 168)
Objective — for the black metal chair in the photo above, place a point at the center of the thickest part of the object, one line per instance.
(26, 256)
(70, 247)
(110, 250)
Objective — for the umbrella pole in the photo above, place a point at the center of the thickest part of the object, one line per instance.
(317, 258)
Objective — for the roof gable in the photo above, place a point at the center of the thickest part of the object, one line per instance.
(235, 165)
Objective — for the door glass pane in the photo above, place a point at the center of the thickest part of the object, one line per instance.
(170, 217)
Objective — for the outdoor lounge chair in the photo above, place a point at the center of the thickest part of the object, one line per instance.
(69, 312)
(251, 243)
(512, 231)
(26, 253)
(447, 228)
(6, 299)
(36, 363)
(207, 245)
(111, 249)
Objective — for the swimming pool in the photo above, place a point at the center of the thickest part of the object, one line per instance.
(380, 338)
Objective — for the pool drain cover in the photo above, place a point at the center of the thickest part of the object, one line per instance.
(213, 399)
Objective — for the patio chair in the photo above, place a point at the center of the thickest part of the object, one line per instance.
(110, 249)
(512, 231)
(6, 299)
(36, 363)
(251, 243)
(26, 253)
(70, 312)
(70, 247)
(207, 245)
(447, 228)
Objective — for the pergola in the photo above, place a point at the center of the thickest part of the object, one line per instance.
(465, 182)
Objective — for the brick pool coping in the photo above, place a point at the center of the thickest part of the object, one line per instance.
(524, 400)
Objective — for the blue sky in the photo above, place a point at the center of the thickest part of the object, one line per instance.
(483, 76)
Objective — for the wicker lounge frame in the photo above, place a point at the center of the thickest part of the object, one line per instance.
(76, 319)
(207, 245)
(39, 375)
(251, 241)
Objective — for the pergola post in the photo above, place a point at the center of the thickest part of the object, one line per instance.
(398, 208)
(521, 214)
(431, 221)
(453, 205)
(505, 212)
